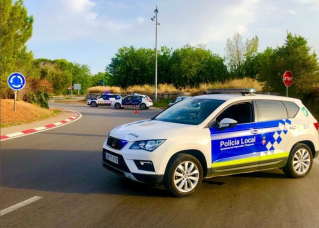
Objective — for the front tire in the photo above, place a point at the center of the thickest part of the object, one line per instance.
(183, 176)
(142, 106)
(117, 106)
(299, 162)
(93, 104)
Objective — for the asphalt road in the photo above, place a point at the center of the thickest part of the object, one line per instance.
(63, 166)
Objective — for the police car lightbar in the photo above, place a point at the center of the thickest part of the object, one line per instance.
(222, 91)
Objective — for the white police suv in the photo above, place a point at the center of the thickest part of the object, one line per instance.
(215, 135)
(103, 100)
(133, 100)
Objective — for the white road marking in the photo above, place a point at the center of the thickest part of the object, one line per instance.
(19, 205)
(57, 123)
(15, 134)
(39, 128)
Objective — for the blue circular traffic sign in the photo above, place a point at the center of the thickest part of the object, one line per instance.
(16, 81)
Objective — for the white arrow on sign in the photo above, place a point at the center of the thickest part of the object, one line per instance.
(16, 86)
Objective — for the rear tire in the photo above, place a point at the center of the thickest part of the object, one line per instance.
(183, 175)
(93, 104)
(299, 162)
(117, 106)
(142, 106)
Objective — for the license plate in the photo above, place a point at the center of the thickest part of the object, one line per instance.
(112, 158)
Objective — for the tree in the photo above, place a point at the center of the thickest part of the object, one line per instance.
(239, 55)
(101, 79)
(192, 65)
(16, 30)
(295, 56)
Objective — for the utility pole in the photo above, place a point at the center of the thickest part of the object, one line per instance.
(154, 18)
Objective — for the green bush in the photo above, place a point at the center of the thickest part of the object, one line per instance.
(31, 98)
(43, 99)
(40, 98)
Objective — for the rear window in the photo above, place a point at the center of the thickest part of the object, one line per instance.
(271, 110)
(292, 109)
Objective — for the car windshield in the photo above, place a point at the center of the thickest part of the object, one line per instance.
(190, 111)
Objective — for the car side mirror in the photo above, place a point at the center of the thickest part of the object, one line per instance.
(227, 122)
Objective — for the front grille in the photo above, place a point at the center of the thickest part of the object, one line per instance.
(115, 143)
(121, 166)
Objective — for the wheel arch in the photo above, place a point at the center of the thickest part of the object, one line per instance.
(195, 153)
(309, 144)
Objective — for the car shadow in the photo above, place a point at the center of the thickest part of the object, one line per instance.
(68, 172)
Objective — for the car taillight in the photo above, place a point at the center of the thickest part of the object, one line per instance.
(316, 126)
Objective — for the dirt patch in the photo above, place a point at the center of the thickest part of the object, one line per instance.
(25, 113)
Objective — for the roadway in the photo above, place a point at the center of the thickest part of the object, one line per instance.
(63, 168)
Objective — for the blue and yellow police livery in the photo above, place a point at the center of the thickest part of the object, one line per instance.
(215, 135)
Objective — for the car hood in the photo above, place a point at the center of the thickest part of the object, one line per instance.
(149, 129)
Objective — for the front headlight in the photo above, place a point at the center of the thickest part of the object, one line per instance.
(148, 145)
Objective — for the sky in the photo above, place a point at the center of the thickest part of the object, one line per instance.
(91, 31)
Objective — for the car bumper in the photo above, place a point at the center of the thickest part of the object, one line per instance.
(316, 154)
(151, 179)
(139, 165)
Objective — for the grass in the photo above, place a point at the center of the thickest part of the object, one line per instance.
(162, 104)
(55, 112)
(70, 101)
(168, 88)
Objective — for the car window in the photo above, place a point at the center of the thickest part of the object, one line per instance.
(292, 109)
(271, 110)
(128, 98)
(241, 112)
(190, 111)
(112, 96)
(103, 97)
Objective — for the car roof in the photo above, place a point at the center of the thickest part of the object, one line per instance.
(239, 97)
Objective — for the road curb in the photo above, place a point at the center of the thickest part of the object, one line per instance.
(76, 116)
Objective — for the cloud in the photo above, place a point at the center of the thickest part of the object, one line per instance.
(73, 19)
(313, 4)
(141, 20)
(271, 30)
(289, 11)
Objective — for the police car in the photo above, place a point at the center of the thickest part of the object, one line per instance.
(103, 100)
(215, 135)
(133, 100)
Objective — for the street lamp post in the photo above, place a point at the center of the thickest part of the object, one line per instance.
(154, 18)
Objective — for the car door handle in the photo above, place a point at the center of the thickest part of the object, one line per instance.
(254, 131)
(293, 127)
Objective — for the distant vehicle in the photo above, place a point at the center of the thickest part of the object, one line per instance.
(178, 99)
(215, 135)
(133, 100)
(103, 100)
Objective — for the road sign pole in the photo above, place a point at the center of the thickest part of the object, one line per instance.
(15, 100)
(286, 91)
